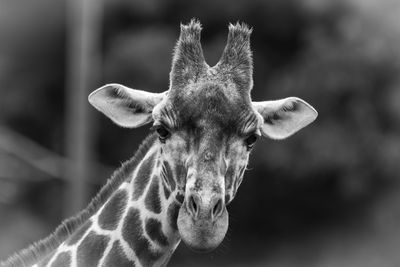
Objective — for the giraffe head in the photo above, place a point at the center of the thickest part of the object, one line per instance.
(207, 126)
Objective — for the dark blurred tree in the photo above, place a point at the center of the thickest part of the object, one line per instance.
(32, 68)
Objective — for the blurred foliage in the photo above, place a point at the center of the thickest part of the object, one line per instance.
(341, 56)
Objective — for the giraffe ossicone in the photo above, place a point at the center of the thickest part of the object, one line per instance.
(179, 183)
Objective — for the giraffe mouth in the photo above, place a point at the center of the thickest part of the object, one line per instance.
(202, 234)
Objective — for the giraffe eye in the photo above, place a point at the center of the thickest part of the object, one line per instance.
(251, 140)
(163, 133)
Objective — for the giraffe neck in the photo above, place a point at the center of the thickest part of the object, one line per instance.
(136, 226)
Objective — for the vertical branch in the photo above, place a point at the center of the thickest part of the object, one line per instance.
(84, 61)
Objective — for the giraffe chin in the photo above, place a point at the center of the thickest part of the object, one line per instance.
(202, 234)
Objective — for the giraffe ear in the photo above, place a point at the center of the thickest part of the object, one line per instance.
(284, 117)
(125, 106)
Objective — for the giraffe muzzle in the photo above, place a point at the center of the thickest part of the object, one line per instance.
(202, 224)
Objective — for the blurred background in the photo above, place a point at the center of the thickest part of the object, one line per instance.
(328, 196)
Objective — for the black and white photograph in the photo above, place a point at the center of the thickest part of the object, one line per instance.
(260, 133)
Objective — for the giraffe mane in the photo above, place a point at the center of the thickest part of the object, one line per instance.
(40, 249)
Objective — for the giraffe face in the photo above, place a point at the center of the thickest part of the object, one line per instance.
(206, 137)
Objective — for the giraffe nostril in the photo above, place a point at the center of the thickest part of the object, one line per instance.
(218, 208)
(193, 208)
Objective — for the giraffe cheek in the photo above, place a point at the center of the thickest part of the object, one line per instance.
(168, 176)
(228, 199)
(229, 178)
(238, 180)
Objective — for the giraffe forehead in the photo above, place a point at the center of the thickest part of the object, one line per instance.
(210, 105)
(216, 92)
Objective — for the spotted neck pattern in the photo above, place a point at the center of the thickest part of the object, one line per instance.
(136, 226)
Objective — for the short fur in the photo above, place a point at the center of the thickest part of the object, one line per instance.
(188, 64)
(41, 248)
(236, 63)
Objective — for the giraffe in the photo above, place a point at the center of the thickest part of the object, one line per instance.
(179, 182)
